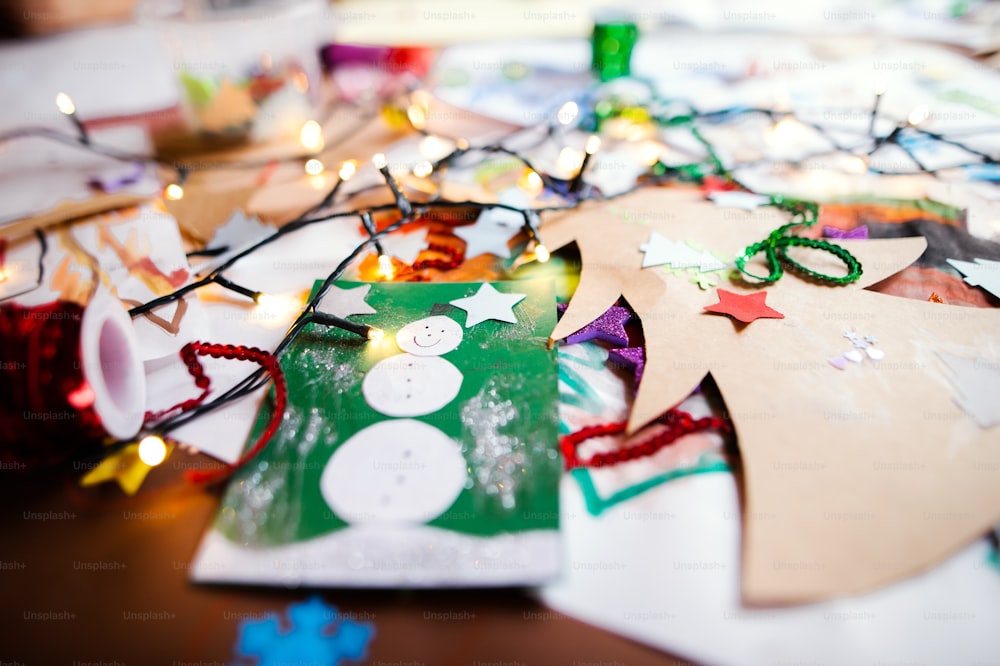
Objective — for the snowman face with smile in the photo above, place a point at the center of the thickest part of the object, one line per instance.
(431, 336)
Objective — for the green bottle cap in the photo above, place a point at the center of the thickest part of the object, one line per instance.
(612, 44)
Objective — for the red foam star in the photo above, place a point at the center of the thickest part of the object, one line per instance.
(744, 307)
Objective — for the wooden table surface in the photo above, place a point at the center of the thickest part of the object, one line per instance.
(90, 576)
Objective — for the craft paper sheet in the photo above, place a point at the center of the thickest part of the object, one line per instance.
(653, 552)
(40, 177)
(428, 459)
(664, 569)
(882, 435)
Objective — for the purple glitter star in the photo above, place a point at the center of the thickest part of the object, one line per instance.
(609, 327)
(630, 357)
(857, 233)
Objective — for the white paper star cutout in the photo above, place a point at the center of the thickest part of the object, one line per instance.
(346, 302)
(238, 230)
(488, 303)
(238, 233)
(661, 250)
(744, 200)
(984, 273)
(512, 196)
(488, 235)
(405, 246)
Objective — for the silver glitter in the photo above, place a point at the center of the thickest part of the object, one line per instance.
(327, 369)
(497, 459)
(270, 491)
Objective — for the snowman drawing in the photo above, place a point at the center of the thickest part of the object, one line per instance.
(402, 471)
(417, 381)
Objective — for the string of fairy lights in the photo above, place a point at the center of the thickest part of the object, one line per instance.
(599, 112)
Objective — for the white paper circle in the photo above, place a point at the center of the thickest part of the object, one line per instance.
(408, 385)
(399, 472)
(431, 336)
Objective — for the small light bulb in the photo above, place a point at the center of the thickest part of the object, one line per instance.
(462, 144)
(423, 169)
(918, 115)
(277, 305)
(649, 153)
(857, 165)
(636, 133)
(531, 183)
(385, 267)
(542, 253)
(568, 113)
(782, 132)
(593, 144)
(152, 450)
(433, 148)
(417, 115)
(65, 104)
(311, 136)
(379, 161)
(174, 192)
(880, 85)
(347, 169)
(314, 167)
(569, 160)
(421, 98)
(3, 275)
(376, 334)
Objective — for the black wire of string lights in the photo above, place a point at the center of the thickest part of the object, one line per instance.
(572, 192)
(256, 379)
(181, 166)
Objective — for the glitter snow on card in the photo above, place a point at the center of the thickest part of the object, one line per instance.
(427, 459)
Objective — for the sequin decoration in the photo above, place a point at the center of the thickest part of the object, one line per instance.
(775, 248)
(862, 346)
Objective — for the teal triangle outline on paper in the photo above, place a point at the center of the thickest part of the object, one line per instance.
(596, 505)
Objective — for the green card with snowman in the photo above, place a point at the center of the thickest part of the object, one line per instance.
(429, 458)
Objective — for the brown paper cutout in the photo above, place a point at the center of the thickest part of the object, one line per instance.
(207, 204)
(854, 478)
(66, 211)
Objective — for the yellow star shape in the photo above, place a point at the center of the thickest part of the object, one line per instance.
(124, 468)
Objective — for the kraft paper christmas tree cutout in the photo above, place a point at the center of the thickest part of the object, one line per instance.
(430, 458)
(874, 464)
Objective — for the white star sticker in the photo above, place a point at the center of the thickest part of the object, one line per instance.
(745, 200)
(346, 302)
(405, 246)
(489, 234)
(661, 250)
(238, 233)
(983, 273)
(488, 303)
